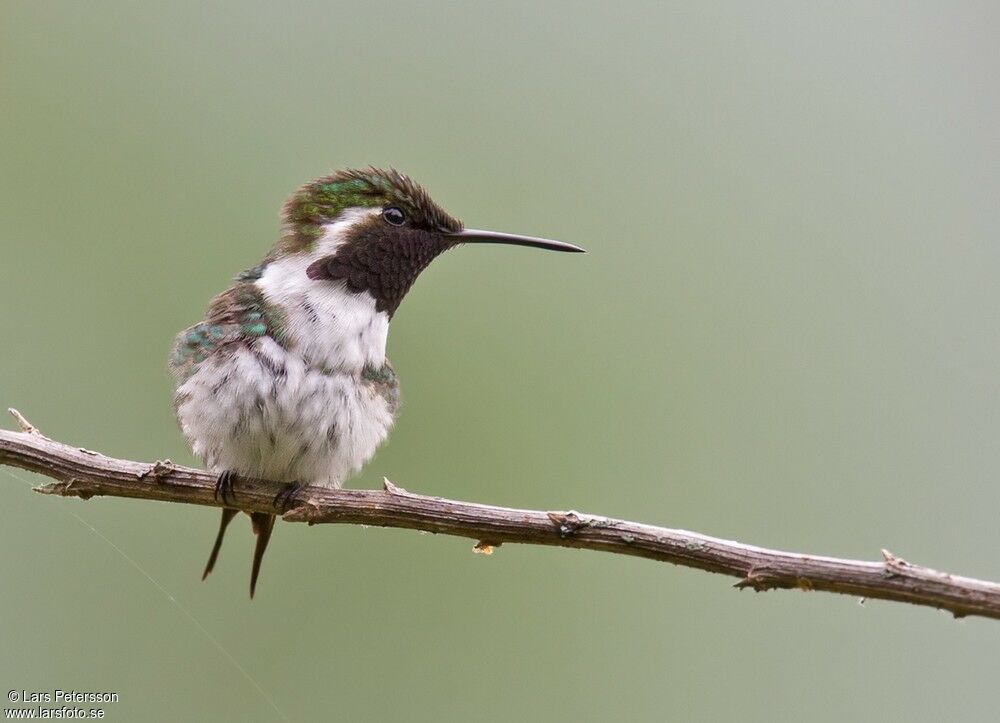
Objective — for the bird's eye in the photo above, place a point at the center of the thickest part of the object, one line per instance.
(393, 216)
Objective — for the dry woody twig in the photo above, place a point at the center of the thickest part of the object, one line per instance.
(85, 474)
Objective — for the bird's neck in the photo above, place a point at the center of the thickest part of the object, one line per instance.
(325, 323)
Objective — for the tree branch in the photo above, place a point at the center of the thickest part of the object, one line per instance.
(82, 473)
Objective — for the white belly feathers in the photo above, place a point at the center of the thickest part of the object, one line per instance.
(261, 411)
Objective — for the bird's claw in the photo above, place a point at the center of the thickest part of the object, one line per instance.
(224, 487)
(283, 500)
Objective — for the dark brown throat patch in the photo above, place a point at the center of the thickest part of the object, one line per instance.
(382, 260)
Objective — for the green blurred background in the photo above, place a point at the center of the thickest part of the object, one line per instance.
(786, 332)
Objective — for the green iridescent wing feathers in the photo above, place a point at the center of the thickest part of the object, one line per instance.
(239, 314)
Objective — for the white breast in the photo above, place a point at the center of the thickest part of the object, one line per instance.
(327, 324)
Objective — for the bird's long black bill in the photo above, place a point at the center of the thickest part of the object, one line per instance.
(475, 236)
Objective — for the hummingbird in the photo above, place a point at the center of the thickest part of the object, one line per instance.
(286, 377)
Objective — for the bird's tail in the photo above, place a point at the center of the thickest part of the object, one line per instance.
(262, 524)
(227, 517)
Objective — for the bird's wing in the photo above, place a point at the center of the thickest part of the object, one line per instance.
(241, 313)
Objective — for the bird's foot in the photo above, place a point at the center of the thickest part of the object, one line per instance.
(283, 500)
(224, 486)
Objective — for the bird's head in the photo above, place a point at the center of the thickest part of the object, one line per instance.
(374, 230)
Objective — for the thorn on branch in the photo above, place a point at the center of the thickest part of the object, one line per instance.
(69, 488)
(894, 565)
(757, 579)
(392, 489)
(158, 470)
(26, 426)
(302, 511)
(568, 523)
